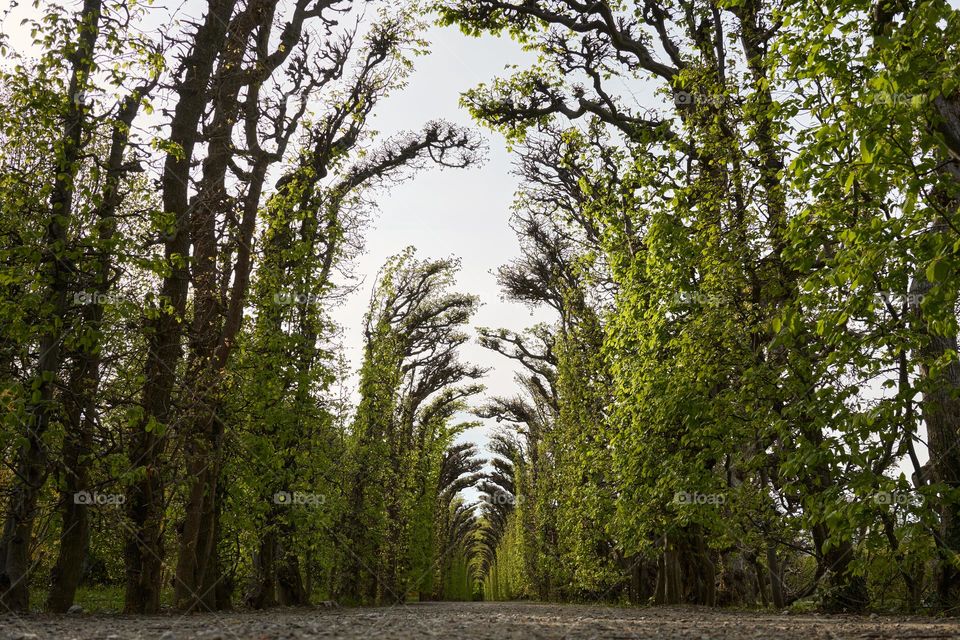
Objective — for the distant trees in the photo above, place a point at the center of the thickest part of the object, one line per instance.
(747, 393)
(412, 384)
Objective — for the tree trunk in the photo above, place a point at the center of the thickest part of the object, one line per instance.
(145, 504)
(941, 413)
(193, 588)
(262, 593)
(291, 592)
(669, 589)
(775, 575)
(846, 592)
(75, 525)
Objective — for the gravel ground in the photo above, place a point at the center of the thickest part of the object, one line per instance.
(476, 620)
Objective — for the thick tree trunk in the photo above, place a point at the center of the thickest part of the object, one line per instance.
(669, 589)
(846, 592)
(941, 413)
(212, 331)
(195, 586)
(144, 554)
(738, 580)
(144, 549)
(263, 590)
(706, 571)
(291, 592)
(941, 400)
(775, 575)
(18, 528)
(75, 524)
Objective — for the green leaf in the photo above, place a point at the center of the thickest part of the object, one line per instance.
(937, 270)
(848, 185)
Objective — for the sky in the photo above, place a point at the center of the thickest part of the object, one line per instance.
(453, 212)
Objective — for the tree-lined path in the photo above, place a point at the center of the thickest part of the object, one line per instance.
(732, 381)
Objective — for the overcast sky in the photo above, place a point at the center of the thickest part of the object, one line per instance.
(463, 213)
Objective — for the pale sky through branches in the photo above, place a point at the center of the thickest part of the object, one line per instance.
(463, 213)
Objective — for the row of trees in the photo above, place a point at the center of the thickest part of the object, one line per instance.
(178, 216)
(755, 286)
(748, 393)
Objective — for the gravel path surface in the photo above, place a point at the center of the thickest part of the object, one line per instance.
(476, 620)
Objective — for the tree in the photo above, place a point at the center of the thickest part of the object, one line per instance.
(411, 384)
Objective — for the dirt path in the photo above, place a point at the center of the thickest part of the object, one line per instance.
(491, 620)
